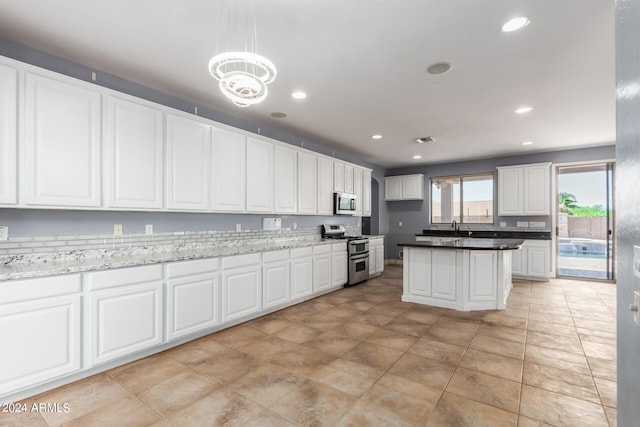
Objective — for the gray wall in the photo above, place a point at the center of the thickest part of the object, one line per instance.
(628, 204)
(414, 215)
(27, 222)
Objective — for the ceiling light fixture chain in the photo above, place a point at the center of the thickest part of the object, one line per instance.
(243, 75)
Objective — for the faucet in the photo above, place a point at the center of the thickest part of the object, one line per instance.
(454, 225)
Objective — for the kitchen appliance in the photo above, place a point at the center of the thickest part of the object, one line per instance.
(344, 203)
(357, 252)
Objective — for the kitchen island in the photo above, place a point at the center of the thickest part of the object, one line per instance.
(458, 273)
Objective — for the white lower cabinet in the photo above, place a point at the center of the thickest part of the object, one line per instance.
(301, 273)
(483, 271)
(123, 312)
(376, 256)
(322, 279)
(276, 286)
(532, 261)
(241, 286)
(339, 264)
(444, 272)
(40, 320)
(193, 302)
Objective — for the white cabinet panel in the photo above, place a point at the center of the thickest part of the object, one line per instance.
(123, 320)
(229, 179)
(418, 270)
(276, 290)
(524, 190)
(518, 259)
(286, 180)
(260, 178)
(61, 151)
(192, 304)
(357, 189)
(379, 258)
(339, 264)
(338, 177)
(538, 261)
(366, 193)
(134, 168)
(509, 190)
(325, 186)
(376, 256)
(533, 260)
(404, 187)
(41, 341)
(188, 163)
(483, 272)
(537, 193)
(322, 279)
(301, 273)
(443, 274)
(307, 183)
(348, 179)
(393, 188)
(8, 135)
(241, 286)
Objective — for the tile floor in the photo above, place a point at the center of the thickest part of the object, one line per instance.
(360, 357)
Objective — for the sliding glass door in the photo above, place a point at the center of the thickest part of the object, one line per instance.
(585, 226)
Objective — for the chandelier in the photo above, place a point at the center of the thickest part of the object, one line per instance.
(242, 74)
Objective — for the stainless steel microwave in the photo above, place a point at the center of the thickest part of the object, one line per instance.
(344, 204)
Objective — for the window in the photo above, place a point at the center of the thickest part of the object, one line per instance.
(464, 199)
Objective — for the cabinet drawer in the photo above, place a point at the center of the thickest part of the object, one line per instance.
(322, 249)
(44, 287)
(123, 276)
(339, 247)
(275, 255)
(185, 268)
(302, 252)
(240, 261)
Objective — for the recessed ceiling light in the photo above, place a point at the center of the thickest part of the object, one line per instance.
(278, 115)
(376, 136)
(527, 143)
(439, 68)
(515, 24)
(299, 94)
(417, 156)
(523, 110)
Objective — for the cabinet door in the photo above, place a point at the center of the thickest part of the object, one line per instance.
(229, 162)
(188, 164)
(348, 179)
(276, 289)
(8, 135)
(123, 320)
(307, 185)
(241, 292)
(366, 193)
(519, 262)
(134, 155)
(61, 144)
(418, 271)
(339, 268)
(537, 191)
(379, 250)
(393, 188)
(286, 180)
(483, 276)
(321, 272)
(357, 190)
(443, 274)
(192, 304)
(372, 259)
(325, 186)
(413, 187)
(338, 177)
(41, 341)
(510, 191)
(301, 277)
(538, 260)
(260, 182)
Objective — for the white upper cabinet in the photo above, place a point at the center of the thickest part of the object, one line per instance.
(393, 188)
(134, 155)
(366, 192)
(8, 135)
(61, 149)
(229, 179)
(357, 189)
(260, 181)
(338, 177)
(325, 186)
(188, 163)
(404, 187)
(348, 179)
(286, 180)
(307, 183)
(524, 190)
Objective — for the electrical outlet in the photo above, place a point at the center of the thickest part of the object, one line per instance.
(503, 223)
(295, 225)
(238, 227)
(117, 230)
(4, 233)
(399, 223)
(148, 229)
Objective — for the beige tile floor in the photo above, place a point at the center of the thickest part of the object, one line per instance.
(360, 357)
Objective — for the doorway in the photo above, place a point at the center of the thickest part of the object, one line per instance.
(585, 235)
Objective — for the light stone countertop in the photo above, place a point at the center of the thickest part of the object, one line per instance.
(41, 265)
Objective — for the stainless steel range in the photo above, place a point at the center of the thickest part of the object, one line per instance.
(357, 250)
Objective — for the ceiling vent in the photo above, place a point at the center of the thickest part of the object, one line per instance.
(425, 139)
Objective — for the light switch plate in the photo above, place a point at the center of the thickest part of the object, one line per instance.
(148, 229)
(272, 223)
(117, 230)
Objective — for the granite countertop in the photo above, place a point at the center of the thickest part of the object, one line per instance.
(30, 266)
(469, 243)
(490, 234)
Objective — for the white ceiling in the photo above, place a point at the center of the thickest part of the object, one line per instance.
(362, 63)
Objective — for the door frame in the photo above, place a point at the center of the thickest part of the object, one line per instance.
(554, 215)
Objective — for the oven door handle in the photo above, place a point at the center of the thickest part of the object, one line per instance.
(359, 256)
